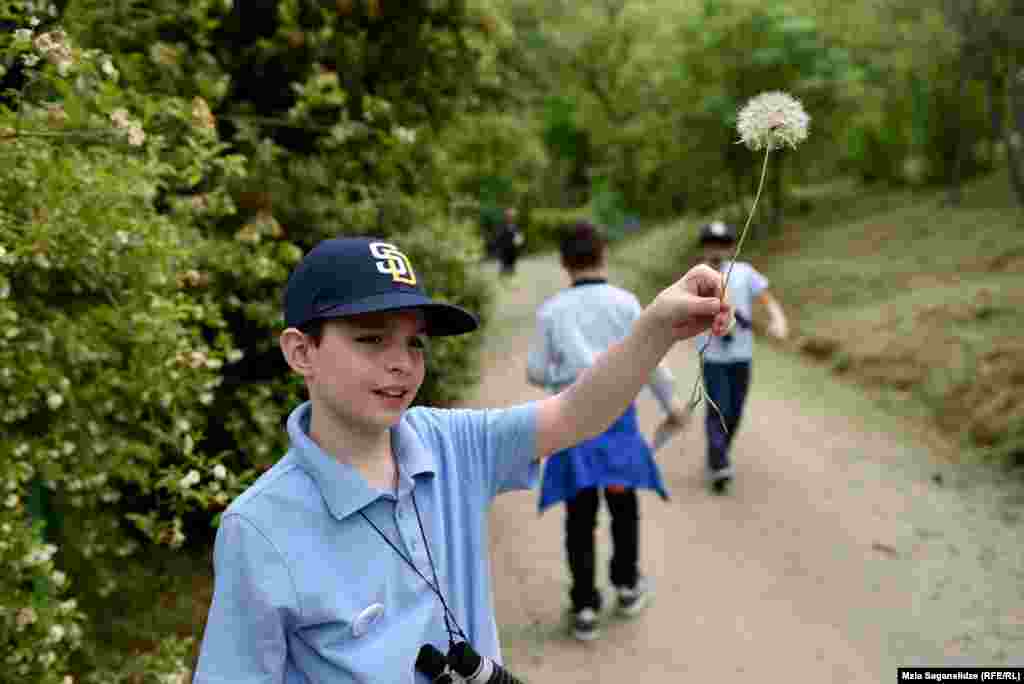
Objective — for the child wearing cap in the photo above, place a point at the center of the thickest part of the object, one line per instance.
(573, 328)
(727, 358)
(367, 540)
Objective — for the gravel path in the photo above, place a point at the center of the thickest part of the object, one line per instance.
(850, 545)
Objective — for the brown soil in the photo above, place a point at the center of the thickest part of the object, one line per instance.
(849, 546)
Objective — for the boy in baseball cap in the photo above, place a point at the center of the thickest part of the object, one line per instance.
(368, 540)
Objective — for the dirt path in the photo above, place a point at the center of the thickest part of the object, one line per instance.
(848, 547)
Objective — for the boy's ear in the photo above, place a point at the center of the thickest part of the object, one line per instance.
(297, 349)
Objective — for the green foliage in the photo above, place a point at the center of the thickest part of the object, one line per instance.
(141, 261)
(111, 346)
(543, 226)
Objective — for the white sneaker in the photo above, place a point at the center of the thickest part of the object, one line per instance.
(632, 600)
(586, 625)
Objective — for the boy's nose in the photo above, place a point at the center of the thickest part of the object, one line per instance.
(400, 361)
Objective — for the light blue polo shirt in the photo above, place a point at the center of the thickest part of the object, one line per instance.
(746, 284)
(307, 591)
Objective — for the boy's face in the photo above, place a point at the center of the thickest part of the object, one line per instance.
(715, 253)
(368, 367)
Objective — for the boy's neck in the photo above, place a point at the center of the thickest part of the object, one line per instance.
(368, 451)
(597, 273)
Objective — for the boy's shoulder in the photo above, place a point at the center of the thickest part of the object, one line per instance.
(284, 484)
(572, 297)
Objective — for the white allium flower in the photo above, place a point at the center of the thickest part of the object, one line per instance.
(33, 22)
(56, 633)
(12, 501)
(219, 471)
(59, 578)
(773, 119)
(54, 401)
(30, 60)
(23, 34)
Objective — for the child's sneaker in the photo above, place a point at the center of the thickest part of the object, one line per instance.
(632, 600)
(586, 624)
(720, 480)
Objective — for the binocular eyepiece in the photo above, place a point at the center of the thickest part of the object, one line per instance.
(462, 662)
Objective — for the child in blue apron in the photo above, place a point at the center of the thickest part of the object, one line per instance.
(573, 328)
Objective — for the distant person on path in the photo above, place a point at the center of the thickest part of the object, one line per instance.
(367, 541)
(727, 359)
(573, 328)
(510, 241)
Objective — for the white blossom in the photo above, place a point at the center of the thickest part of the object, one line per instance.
(23, 34)
(56, 633)
(120, 118)
(405, 135)
(107, 68)
(219, 471)
(772, 120)
(136, 136)
(26, 616)
(191, 478)
(54, 401)
(12, 501)
(59, 578)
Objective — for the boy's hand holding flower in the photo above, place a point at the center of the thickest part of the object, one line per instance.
(694, 304)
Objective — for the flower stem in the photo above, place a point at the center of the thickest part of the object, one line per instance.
(746, 228)
(700, 390)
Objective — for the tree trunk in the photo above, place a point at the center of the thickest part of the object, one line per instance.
(1013, 131)
(960, 147)
(967, 14)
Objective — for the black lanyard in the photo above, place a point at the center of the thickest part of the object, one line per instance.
(449, 617)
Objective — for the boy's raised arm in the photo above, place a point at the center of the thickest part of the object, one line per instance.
(602, 392)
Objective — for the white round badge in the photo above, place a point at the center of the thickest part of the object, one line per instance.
(361, 625)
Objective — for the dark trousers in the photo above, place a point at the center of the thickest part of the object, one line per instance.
(727, 385)
(580, 521)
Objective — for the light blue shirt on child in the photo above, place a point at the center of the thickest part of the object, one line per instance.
(745, 285)
(306, 590)
(578, 324)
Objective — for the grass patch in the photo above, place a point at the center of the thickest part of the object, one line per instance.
(916, 299)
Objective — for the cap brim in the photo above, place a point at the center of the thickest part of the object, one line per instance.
(442, 319)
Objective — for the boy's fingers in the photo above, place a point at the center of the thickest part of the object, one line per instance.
(705, 306)
(704, 281)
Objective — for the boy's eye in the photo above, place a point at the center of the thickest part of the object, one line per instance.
(370, 339)
(419, 342)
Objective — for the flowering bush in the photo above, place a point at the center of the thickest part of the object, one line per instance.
(141, 265)
(111, 342)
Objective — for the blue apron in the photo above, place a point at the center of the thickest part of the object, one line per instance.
(618, 456)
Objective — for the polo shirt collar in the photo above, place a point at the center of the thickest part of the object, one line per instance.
(344, 489)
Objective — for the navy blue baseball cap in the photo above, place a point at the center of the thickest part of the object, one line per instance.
(354, 275)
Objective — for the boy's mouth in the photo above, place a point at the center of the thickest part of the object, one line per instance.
(392, 392)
